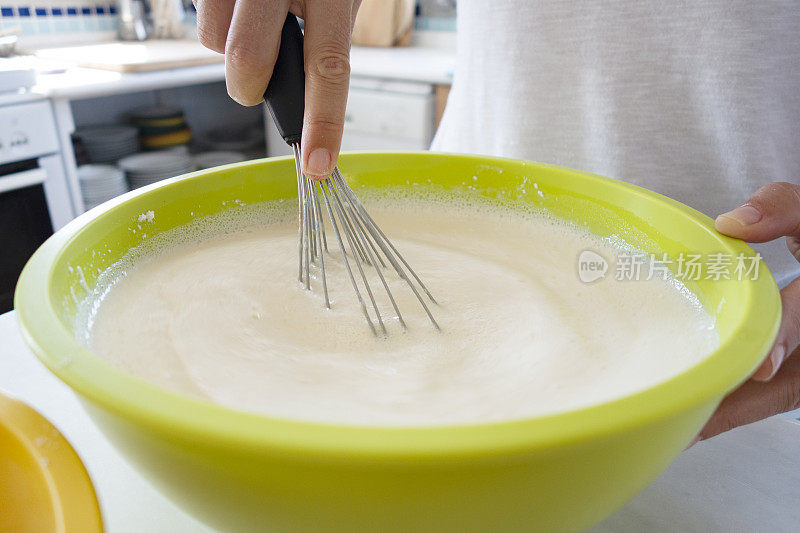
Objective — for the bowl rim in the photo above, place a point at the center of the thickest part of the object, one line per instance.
(158, 409)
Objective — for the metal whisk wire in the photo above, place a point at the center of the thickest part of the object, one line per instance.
(362, 244)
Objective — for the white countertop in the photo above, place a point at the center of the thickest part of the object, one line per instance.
(60, 80)
(745, 480)
(75, 83)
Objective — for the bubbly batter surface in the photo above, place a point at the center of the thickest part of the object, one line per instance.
(224, 318)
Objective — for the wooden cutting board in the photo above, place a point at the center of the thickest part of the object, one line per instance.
(135, 57)
(384, 23)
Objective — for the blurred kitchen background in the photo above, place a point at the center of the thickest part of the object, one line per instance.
(100, 97)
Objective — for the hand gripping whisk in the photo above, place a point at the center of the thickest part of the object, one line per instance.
(362, 244)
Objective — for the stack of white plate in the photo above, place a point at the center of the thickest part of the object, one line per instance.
(150, 167)
(217, 158)
(108, 144)
(100, 183)
(235, 138)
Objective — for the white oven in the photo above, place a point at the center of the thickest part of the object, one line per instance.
(34, 198)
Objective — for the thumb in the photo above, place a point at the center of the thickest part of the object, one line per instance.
(772, 212)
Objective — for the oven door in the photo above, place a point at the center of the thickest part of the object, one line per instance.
(24, 222)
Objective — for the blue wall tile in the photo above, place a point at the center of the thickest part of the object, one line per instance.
(43, 26)
(28, 26)
(90, 24)
(60, 16)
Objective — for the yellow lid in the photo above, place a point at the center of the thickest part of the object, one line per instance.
(43, 483)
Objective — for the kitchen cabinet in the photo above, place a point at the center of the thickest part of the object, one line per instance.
(396, 98)
(381, 115)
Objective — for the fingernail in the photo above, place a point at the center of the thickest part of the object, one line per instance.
(319, 162)
(775, 359)
(777, 355)
(744, 215)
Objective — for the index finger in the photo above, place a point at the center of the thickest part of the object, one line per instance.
(213, 20)
(756, 400)
(252, 47)
(327, 64)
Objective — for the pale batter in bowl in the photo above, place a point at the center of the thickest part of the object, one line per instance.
(221, 315)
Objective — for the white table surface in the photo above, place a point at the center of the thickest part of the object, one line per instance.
(745, 480)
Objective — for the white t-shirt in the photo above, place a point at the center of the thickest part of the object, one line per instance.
(698, 100)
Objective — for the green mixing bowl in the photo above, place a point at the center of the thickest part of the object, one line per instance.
(240, 471)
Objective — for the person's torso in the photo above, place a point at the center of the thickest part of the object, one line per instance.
(697, 100)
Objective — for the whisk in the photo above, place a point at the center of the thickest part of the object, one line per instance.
(362, 244)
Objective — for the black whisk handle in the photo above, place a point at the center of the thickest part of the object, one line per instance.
(286, 90)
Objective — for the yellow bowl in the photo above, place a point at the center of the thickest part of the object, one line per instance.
(241, 471)
(43, 484)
